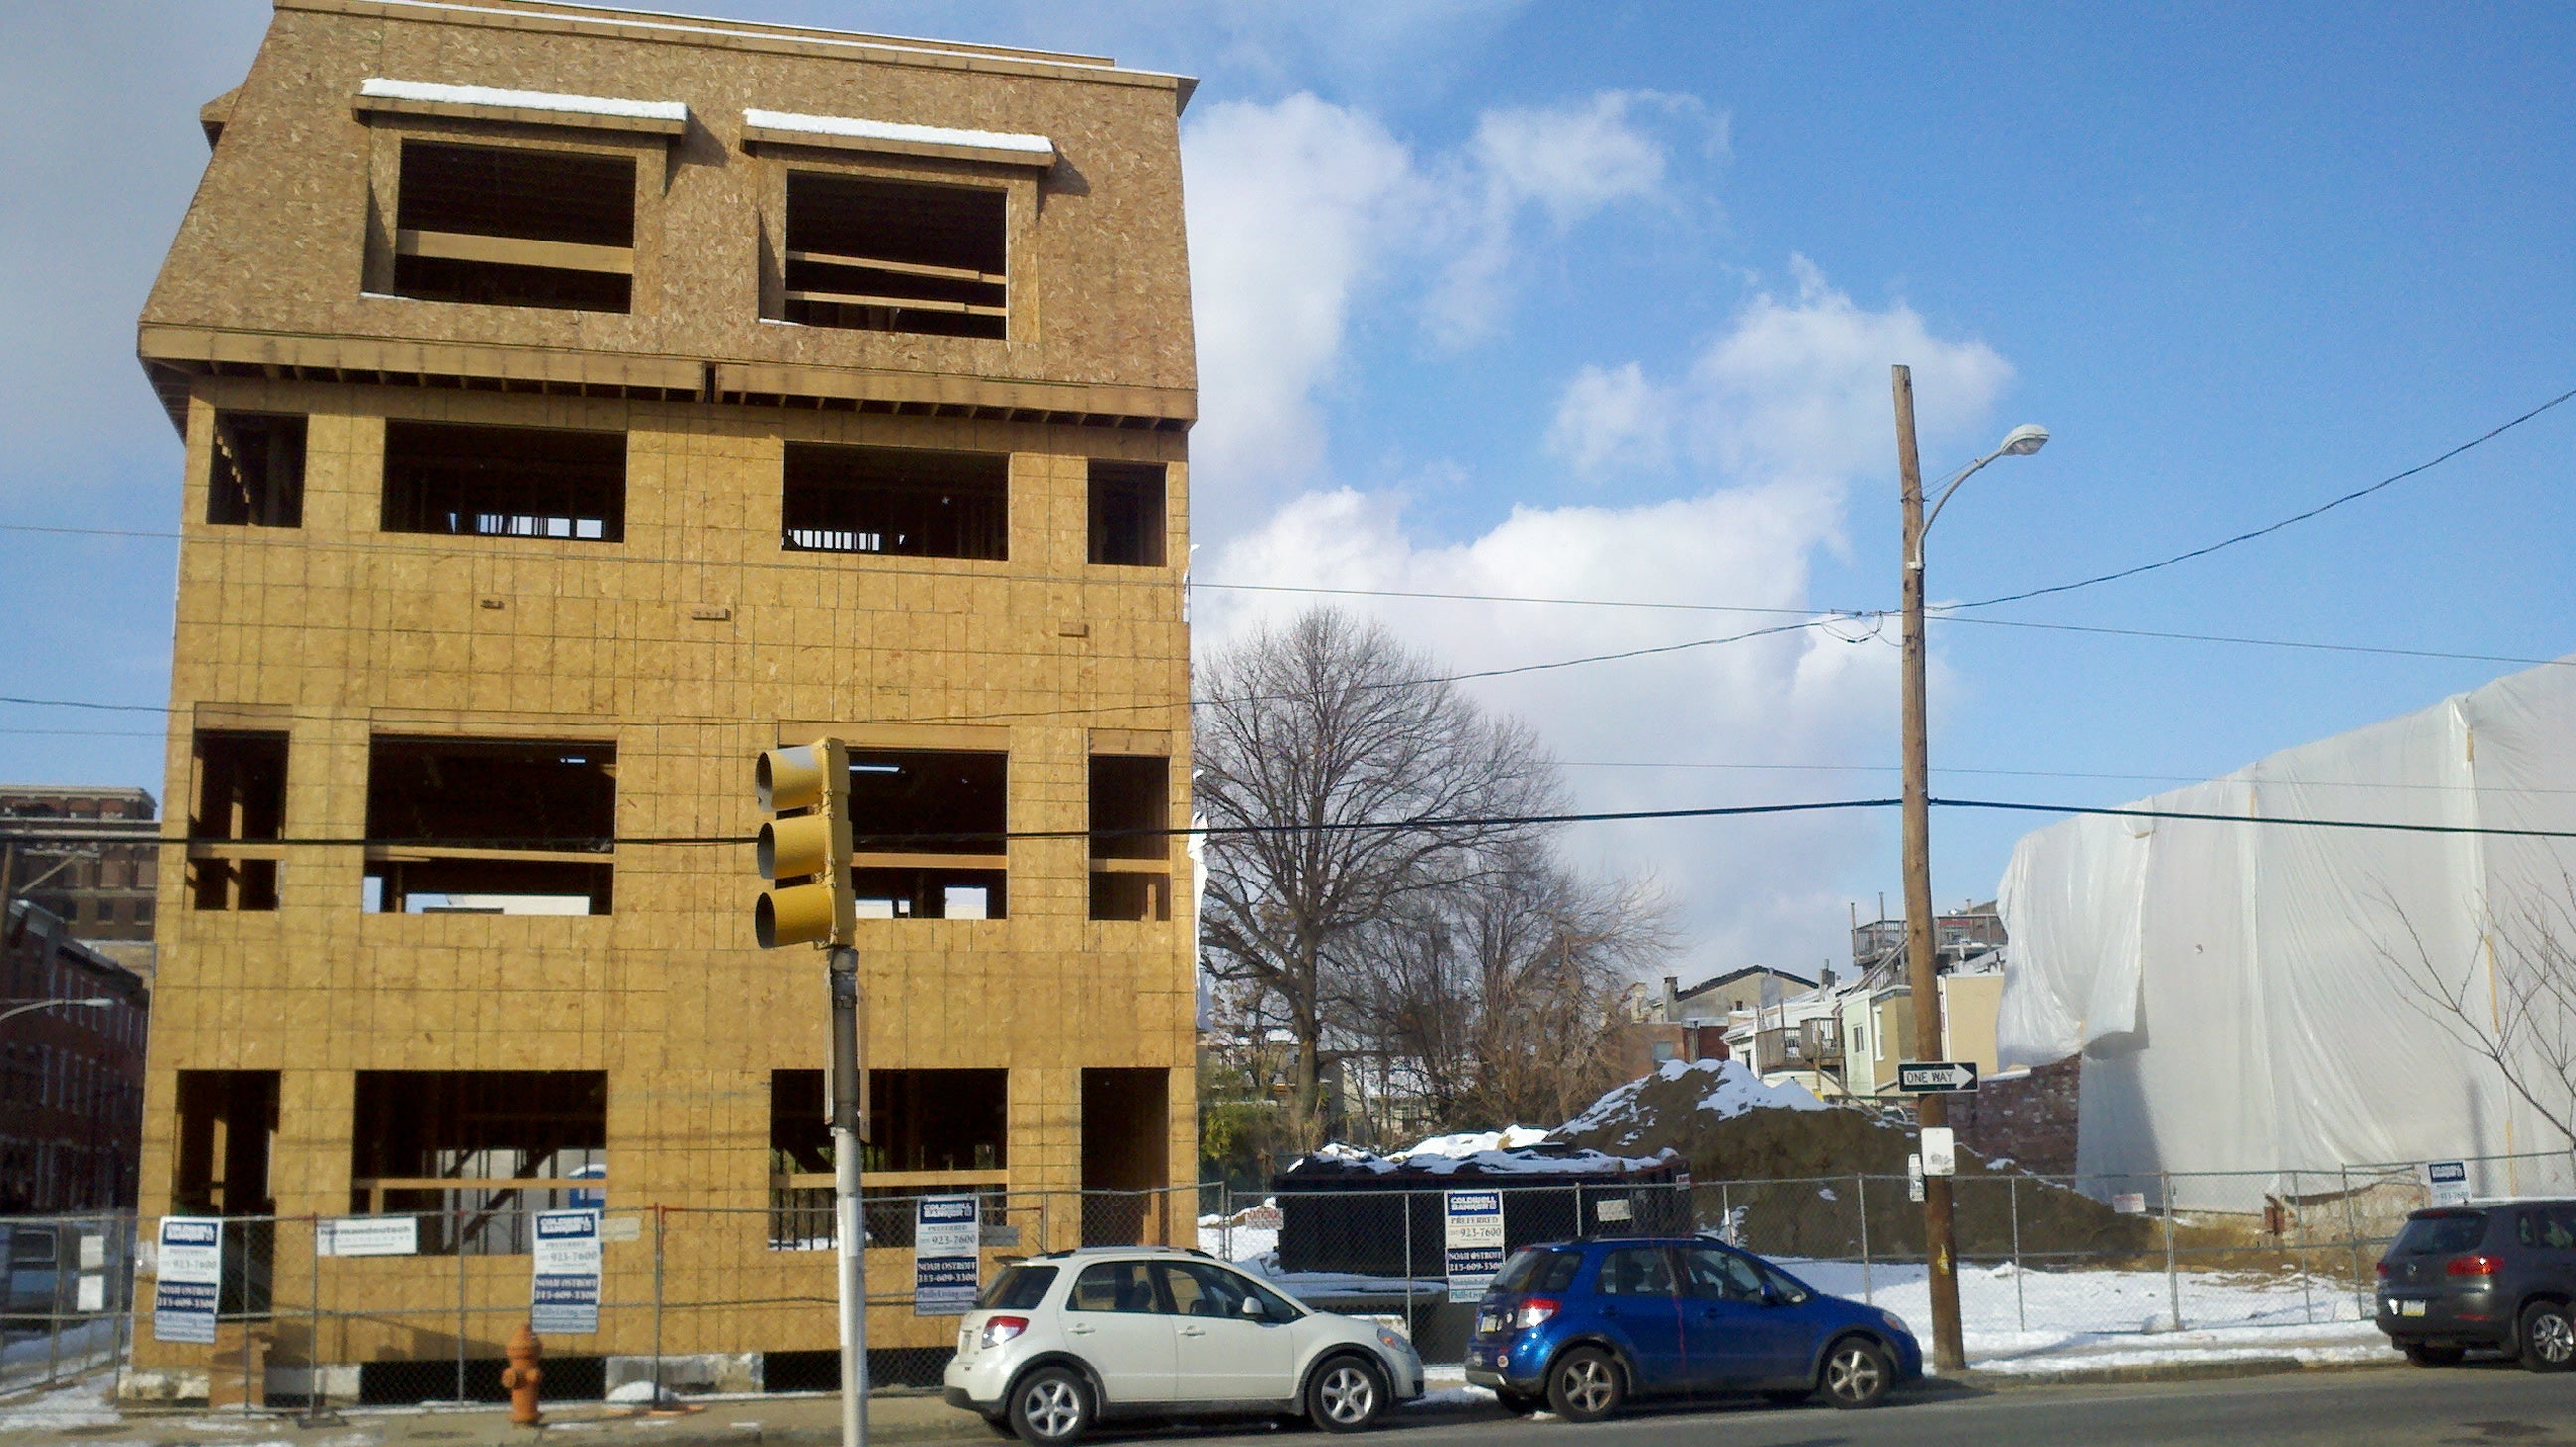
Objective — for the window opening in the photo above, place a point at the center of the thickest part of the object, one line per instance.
(950, 805)
(227, 1133)
(918, 1120)
(490, 826)
(1130, 805)
(520, 482)
(241, 795)
(478, 1152)
(896, 500)
(1125, 1119)
(510, 227)
(256, 473)
(1127, 513)
(896, 256)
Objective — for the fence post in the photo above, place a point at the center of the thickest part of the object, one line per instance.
(121, 1275)
(2021, 1299)
(1726, 1214)
(1408, 1263)
(2173, 1278)
(2352, 1230)
(2299, 1226)
(313, 1395)
(457, 1231)
(1868, 1289)
(660, 1214)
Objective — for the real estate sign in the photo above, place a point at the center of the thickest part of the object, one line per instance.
(1475, 1242)
(945, 1234)
(2447, 1182)
(564, 1295)
(370, 1236)
(190, 1274)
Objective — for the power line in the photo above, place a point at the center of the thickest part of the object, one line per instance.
(2251, 642)
(2273, 527)
(2303, 821)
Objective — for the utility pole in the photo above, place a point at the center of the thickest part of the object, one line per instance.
(1949, 1354)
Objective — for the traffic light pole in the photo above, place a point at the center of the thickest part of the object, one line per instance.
(847, 1097)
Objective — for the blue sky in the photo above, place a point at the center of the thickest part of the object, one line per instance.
(1598, 300)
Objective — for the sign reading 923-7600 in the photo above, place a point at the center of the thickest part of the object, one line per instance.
(564, 1293)
(946, 1231)
(1475, 1242)
(1937, 1077)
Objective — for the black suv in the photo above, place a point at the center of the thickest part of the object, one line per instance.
(2498, 1277)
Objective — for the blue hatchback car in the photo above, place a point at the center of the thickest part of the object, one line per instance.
(1581, 1327)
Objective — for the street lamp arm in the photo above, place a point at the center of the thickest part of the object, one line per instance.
(95, 1002)
(1953, 486)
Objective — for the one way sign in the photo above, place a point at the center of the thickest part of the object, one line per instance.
(1937, 1077)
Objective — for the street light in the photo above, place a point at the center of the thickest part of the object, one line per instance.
(1923, 980)
(95, 1002)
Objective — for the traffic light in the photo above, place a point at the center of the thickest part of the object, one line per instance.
(808, 788)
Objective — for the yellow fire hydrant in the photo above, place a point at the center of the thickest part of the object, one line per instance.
(521, 1376)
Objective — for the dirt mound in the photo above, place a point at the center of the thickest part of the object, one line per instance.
(1792, 1168)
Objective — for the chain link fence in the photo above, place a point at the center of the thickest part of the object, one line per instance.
(418, 1307)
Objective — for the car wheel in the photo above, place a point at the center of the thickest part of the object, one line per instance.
(1856, 1373)
(2429, 1356)
(2548, 1337)
(1519, 1404)
(1346, 1395)
(1051, 1407)
(1585, 1386)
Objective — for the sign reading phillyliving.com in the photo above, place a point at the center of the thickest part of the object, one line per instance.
(945, 1234)
(1475, 1237)
(565, 1294)
(191, 1275)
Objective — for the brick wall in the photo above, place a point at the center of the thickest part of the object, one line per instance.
(2030, 1119)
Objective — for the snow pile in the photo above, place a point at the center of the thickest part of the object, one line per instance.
(526, 100)
(1730, 1089)
(74, 1408)
(856, 129)
(1468, 1143)
(1523, 1160)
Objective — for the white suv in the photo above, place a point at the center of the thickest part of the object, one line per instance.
(1058, 1342)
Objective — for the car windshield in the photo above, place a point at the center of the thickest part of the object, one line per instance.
(1018, 1288)
(2444, 1235)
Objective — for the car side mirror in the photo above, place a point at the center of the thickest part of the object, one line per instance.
(1771, 1295)
(1252, 1306)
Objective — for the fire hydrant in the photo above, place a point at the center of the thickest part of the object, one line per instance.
(521, 1376)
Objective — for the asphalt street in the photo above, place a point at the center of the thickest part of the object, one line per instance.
(2492, 1403)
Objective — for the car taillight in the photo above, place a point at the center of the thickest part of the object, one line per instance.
(1533, 1311)
(2475, 1266)
(2383, 1270)
(999, 1329)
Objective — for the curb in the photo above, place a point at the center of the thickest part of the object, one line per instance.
(2164, 1372)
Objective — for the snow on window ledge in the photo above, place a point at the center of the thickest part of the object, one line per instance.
(855, 133)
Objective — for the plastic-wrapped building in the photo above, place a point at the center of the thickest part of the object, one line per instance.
(2247, 993)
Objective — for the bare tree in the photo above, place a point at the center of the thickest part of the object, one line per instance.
(1355, 783)
(2512, 1001)
(1508, 997)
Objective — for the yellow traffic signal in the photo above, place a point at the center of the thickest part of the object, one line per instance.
(808, 788)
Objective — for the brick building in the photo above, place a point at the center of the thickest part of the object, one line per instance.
(86, 857)
(71, 1077)
(576, 403)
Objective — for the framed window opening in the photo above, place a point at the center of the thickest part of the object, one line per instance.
(519, 482)
(490, 826)
(875, 253)
(913, 502)
(513, 226)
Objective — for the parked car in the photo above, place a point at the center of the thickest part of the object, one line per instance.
(1059, 1342)
(1584, 1326)
(2498, 1278)
(34, 1285)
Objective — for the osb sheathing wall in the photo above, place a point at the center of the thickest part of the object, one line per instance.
(691, 644)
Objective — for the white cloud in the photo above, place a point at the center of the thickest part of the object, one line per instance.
(1298, 209)
(1611, 415)
(1789, 403)
(1287, 216)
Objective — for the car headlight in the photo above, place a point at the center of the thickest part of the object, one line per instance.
(1896, 1321)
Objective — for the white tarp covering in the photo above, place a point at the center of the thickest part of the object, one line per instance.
(2236, 988)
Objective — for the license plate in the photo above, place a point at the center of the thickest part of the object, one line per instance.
(1488, 1321)
(2409, 1308)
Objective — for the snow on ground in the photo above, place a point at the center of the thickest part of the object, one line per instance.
(81, 1405)
(2043, 1322)
(1468, 1143)
(1731, 1089)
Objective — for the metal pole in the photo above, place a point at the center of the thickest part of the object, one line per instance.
(2299, 1224)
(123, 1276)
(457, 1231)
(1726, 1214)
(1922, 976)
(1868, 1289)
(658, 1219)
(1408, 1261)
(849, 1087)
(313, 1406)
(2021, 1298)
(2173, 1279)
(2352, 1229)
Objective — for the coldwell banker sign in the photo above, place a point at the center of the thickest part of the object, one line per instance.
(190, 1274)
(564, 1297)
(945, 1234)
(1475, 1228)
